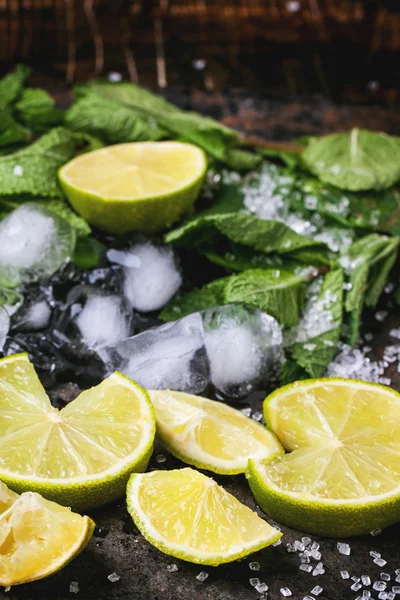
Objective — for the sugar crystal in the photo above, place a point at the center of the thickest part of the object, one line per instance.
(380, 562)
(254, 566)
(172, 568)
(305, 567)
(261, 588)
(74, 587)
(254, 581)
(114, 577)
(285, 592)
(343, 548)
(202, 576)
(366, 580)
(317, 590)
(379, 586)
(344, 574)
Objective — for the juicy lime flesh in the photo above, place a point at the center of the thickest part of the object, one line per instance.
(210, 433)
(37, 537)
(136, 171)
(188, 515)
(89, 436)
(344, 437)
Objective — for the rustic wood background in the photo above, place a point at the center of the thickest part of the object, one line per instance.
(346, 50)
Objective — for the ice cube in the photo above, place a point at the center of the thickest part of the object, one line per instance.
(4, 326)
(151, 275)
(244, 346)
(171, 356)
(92, 321)
(34, 244)
(103, 321)
(34, 317)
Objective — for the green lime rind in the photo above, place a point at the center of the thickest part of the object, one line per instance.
(331, 518)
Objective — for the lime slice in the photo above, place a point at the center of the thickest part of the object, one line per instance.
(342, 476)
(37, 537)
(82, 455)
(143, 186)
(187, 515)
(209, 434)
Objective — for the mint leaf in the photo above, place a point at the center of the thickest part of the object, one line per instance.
(12, 84)
(216, 139)
(367, 264)
(265, 236)
(277, 292)
(291, 371)
(236, 257)
(36, 109)
(111, 121)
(289, 159)
(316, 336)
(10, 131)
(33, 170)
(209, 296)
(355, 160)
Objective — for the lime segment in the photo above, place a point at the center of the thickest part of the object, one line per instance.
(187, 515)
(209, 434)
(37, 537)
(142, 186)
(82, 455)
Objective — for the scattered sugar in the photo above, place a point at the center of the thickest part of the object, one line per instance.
(114, 577)
(202, 576)
(379, 586)
(380, 562)
(161, 458)
(375, 554)
(382, 596)
(343, 548)
(317, 590)
(319, 569)
(306, 568)
(356, 586)
(344, 574)
(74, 587)
(261, 588)
(366, 594)
(375, 532)
(366, 580)
(172, 568)
(257, 415)
(395, 333)
(254, 566)
(285, 592)
(396, 589)
(246, 411)
(385, 576)
(352, 363)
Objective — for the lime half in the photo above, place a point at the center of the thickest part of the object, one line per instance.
(81, 456)
(342, 474)
(209, 434)
(142, 186)
(37, 537)
(187, 515)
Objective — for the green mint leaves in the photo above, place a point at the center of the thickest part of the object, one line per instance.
(356, 160)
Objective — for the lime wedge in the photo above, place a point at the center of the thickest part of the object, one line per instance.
(37, 537)
(142, 186)
(209, 434)
(187, 515)
(342, 476)
(81, 456)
